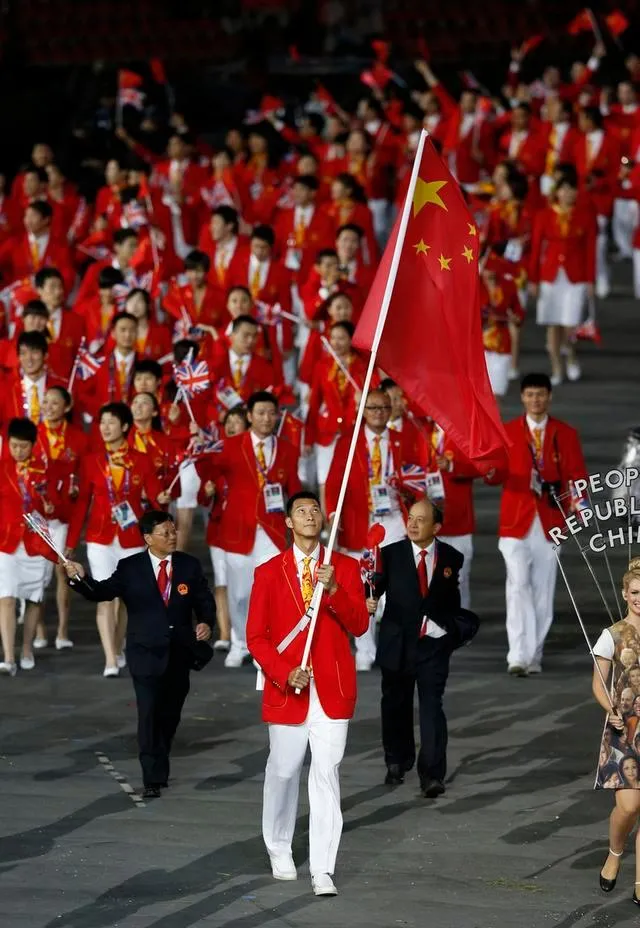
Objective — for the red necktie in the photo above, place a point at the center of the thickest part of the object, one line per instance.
(423, 580)
(163, 581)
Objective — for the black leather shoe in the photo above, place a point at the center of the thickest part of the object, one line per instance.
(634, 898)
(607, 886)
(151, 792)
(432, 788)
(395, 775)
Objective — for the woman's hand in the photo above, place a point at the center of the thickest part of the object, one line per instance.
(616, 721)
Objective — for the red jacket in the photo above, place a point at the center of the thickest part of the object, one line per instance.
(66, 447)
(16, 260)
(259, 375)
(209, 311)
(105, 387)
(14, 404)
(246, 508)
(331, 411)
(459, 518)
(40, 484)
(275, 607)
(63, 349)
(598, 176)
(562, 461)
(343, 212)
(95, 503)
(319, 234)
(564, 241)
(161, 452)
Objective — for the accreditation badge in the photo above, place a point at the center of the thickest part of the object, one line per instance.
(380, 499)
(273, 497)
(536, 482)
(124, 515)
(229, 398)
(435, 485)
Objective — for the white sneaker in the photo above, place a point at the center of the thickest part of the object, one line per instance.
(556, 380)
(535, 668)
(7, 669)
(121, 661)
(63, 643)
(514, 374)
(574, 371)
(40, 643)
(363, 663)
(283, 868)
(323, 885)
(222, 645)
(235, 657)
(111, 672)
(27, 663)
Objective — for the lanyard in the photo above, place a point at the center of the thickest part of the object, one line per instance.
(112, 378)
(111, 490)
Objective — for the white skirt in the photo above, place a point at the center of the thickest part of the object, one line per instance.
(59, 531)
(498, 367)
(22, 576)
(561, 302)
(219, 564)
(324, 457)
(189, 486)
(103, 559)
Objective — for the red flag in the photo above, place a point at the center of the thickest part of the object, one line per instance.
(158, 72)
(378, 77)
(432, 341)
(617, 23)
(423, 48)
(381, 50)
(580, 23)
(128, 80)
(529, 44)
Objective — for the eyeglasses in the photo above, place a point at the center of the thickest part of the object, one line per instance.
(170, 533)
(378, 408)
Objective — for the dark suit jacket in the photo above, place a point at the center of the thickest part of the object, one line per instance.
(153, 627)
(399, 647)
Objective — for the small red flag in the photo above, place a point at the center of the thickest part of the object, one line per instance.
(294, 54)
(617, 23)
(529, 44)
(157, 71)
(432, 341)
(129, 80)
(423, 48)
(580, 23)
(381, 50)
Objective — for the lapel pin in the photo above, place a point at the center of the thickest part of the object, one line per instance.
(183, 589)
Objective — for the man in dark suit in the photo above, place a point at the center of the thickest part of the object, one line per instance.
(161, 588)
(421, 625)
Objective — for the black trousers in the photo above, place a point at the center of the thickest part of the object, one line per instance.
(160, 700)
(430, 675)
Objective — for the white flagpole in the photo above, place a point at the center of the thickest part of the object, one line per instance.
(325, 341)
(314, 607)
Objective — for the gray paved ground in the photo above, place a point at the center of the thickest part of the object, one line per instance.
(517, 841)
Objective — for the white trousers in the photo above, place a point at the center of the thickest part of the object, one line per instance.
(240, 568)
(463, 544)
(623, 225)
(602, 259)
(531, 582)
(498, 367)
(381, 216)
(327, 739)
(395, 530)
(636, 273)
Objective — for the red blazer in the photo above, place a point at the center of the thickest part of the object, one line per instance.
(161, 452)
(530, 156)
(599, 177)
(277, 285)
(564, 242)
(354, 524)
(220, 282)
(209, 311)
(562, 461)
(341, 212)
(246, 509)
(41, 484)
(275, 607)
(66, 454)
(259, 376)
(459, 510)
(16, 261)
(94, 499)
(566, 153)
(157, 344)
(13, 404)
(104, 387)
(331, 412)
(319, 234)
(467, 169)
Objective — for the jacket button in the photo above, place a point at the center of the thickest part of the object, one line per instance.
(339, 420)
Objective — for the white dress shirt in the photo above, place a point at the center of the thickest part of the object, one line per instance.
(268, 447)
(300, 558)
(235, 359)
(386, 469)
(40, 384)
(433, 630)
(516, 141)
(533, 425)
(128, 360)
(55, 322)
(302, 216)
(42, 241)
(225, 252)
(594, 143)
(262, 267)
(155, 563)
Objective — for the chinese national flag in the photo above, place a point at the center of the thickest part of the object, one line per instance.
(432, 340)
(580, 23)
(129, 80)
(617, 23)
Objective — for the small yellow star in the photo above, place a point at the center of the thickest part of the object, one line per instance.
(468, 254)
(472, 229)
(427, 192)
(444, 263)
(421, 248)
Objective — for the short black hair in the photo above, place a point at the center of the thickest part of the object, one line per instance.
(307, 180)
(35, 308)
(152, 519)
(535, 380)
(301, 494)
(37, 341)
(64, 393)
(239, 411)
(42, 175)
(120, 411)
(120, 236)
(45, 274)
(42, 207)
(326, 253)
(265, 234)
(261, 396)
(347, 326)
(182, 347)
(240, 287)
(23, 430)
(387, 384)
(120, 316)
(241, 320)
(109, 277)
(350, 227)
(197, 261)
(148, 366)
(229, 216)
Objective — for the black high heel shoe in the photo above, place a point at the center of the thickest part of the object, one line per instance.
(607, 886)
(634, 898)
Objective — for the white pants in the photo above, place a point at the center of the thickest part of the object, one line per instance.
(219, 565)
(189, 486)
(381, 216)
(636, 273)
(623, 225)
(463, 544)
(395, 530)
(327, 739)
(240, 568)
(531, 581)
(324, 457)
(602, 260)
(22, 576)
(59, 531)
(103, 559)
(498, 367)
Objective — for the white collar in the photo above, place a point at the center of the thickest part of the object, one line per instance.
(255, 440)
(300, 555)
(234, 358)
(429, 549)
(29, 382)
(537, 425)
(156, 561)
(370, 435)
(120, 357)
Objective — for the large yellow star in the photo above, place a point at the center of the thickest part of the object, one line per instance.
(427, 192)
(468, 254)
(444, 263)
(421, 248)
(472, 229)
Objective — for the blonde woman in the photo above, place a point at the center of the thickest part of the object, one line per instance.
(617, 750)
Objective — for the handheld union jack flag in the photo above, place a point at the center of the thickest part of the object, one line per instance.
(86, 363)
(192, 378)
(129, 96)
(209, 443)
(413, 478)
